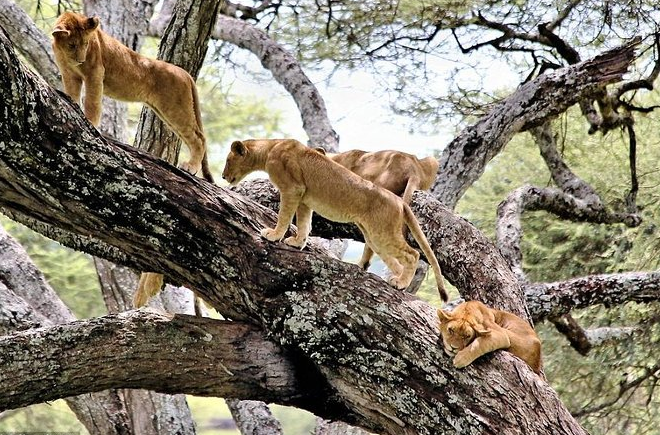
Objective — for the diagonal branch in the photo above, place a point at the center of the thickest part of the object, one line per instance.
(464, 158)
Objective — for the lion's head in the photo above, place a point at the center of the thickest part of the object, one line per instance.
(240, 162)
(72, 33)
(459, 328)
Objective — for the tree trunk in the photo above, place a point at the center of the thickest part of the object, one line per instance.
(282, 64)
(375, 347)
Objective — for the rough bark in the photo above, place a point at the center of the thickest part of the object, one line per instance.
(464, 159)
(186, 28)
(150, 413)
(554, 299)
(375, 347)
(139, 349)
(281, 63)
(324, 427)
(253, 417)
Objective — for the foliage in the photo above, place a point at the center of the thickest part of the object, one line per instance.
(52, 417)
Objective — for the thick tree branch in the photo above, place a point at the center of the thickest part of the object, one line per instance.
(139, 349)
(27, 301)
(372, 344)
(554, 299)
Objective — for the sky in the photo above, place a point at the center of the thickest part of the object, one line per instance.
(356, 108)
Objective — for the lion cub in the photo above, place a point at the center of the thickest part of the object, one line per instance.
(87, 55)
(400, 173)
(473, 329)
(309, 181)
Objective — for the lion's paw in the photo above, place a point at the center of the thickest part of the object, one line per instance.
(295, 242)
(271, 235)
(396, 282)
(190, 168)
(461, 360)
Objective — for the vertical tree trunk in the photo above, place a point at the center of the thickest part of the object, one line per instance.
(150, 413)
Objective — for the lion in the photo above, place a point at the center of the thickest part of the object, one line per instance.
(309, 181)
(473, 329)
(87, 55)
(400, 173)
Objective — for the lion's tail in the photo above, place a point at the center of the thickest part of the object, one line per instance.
(420, 238)
(206, 171)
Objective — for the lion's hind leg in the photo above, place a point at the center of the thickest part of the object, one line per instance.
(407, 257)
(400, 258)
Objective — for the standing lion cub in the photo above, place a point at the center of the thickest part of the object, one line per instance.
(87, 55)
(473, 329)
(309, 181)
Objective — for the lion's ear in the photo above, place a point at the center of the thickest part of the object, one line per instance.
(320, 150)
(92, 23)
(60, 31)
(481, 331)
(443, 315)
(239, 148)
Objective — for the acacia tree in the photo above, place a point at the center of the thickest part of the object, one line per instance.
(336, 321)
(463, 162)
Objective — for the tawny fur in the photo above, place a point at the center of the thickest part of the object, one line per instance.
(473, 329)
(400, 173)
(309, 181)
(87, 55)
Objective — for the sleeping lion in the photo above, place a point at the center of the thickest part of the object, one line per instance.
(472, 329)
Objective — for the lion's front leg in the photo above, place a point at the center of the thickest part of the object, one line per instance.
(304, 224)
(93, 103)
(495, 339)
(289, 202)
(72, 85)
